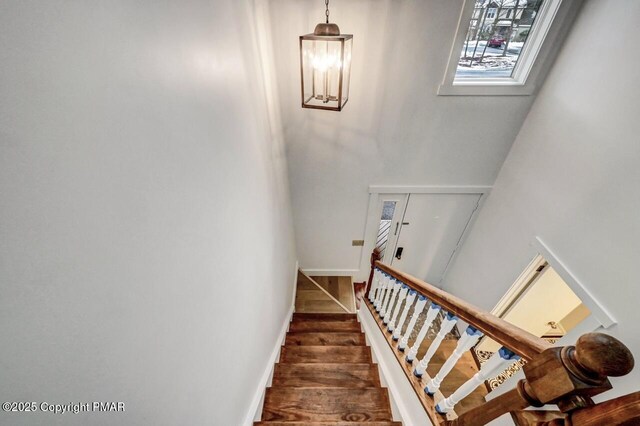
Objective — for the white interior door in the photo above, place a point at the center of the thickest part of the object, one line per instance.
(429, 233)
(391, 209)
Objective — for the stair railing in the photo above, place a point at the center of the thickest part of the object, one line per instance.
(563, 376)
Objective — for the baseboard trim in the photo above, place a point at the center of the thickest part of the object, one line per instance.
(401, 392)
(255, 408)
(330, 272)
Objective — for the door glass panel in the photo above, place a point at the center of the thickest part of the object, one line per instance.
(388, 209)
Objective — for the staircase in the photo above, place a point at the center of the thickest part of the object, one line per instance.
(326, 377)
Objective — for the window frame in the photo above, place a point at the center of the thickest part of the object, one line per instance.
(546, 34)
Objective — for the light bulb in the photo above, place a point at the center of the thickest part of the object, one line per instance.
(319, 64)
(326, 62)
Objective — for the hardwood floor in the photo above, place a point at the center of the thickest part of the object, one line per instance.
(276, 423)
(339, 287)
(328, 326)
(309, 298)
(326, 376)
(358, 375)
(338, 354)
(319, 339)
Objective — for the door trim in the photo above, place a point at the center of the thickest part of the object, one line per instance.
(529, 276)
(526, 279)
(372, 221)
(465, 233)
(597, 310)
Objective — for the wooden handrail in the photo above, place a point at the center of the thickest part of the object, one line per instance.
(564, 376)
(624, 410)
(514, 338)
(619, 411)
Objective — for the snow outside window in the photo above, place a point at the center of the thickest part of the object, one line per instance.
(493, 49)
(503, 47)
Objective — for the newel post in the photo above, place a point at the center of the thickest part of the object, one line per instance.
(565, 376)
(375, 255)
(571, 375)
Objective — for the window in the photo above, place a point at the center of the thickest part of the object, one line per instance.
(499, 43)
(494, 51)
(388, 209)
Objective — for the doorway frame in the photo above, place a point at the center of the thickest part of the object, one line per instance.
(373, 220)
(599, 318)
(601, 314)
(524, 281)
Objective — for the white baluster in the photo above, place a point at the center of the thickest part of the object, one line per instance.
(404, 289)
(469, 338)
(446, 326)
(397, 327)
(375, 284)
(420, 304)
(384, 281)
(392, 302)
(385, 284)
(497, 363)
(386, 288)
(387, 297)
(431, 315)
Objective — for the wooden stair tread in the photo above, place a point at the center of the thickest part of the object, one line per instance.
(326, 404)
(324, 317)
(326, 375)
(328, 326)
(279, 423)
(325, 354)
(325, 339)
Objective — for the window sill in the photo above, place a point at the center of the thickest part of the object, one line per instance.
(488, 89)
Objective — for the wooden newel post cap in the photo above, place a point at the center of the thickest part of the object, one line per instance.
(570, 374)
(375, 255)
(603, 355)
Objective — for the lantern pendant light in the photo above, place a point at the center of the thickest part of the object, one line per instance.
(325, 66)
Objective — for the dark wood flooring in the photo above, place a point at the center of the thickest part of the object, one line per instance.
(339, 287)
(326, 377)
(310, 298)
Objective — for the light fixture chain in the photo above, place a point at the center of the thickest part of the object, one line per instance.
(326, 3)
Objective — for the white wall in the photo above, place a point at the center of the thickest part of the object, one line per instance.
(394, 130)
(572, 178)
(146, 245)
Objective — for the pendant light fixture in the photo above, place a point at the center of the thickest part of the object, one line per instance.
(325, 66)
